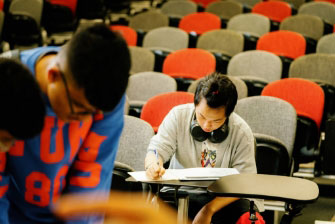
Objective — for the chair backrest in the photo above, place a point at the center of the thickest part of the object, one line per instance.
(225, 9)
(252, 23)
(249, 3)
(134, 141)
(283, 43)
(31, 8)
(324, 10)
(270, 116)
(306, 96)
(256, 63)
(241, 87)
(128, 33)
(314, 66)
(200, 22)
(274, 10)
(229, 42)
(296, 3)
(156, 108)
(169, 38)
(2, 20)
(71, 4)
(178, 9)
(326, 44)
(149, 20)
(142, 59)
(307, 25)
(142, 86)
(189, 63)
(126, 106)
(204, 3)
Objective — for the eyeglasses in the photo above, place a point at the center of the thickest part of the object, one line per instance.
(69, 97)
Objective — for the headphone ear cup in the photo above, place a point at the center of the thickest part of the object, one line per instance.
(197, 132)
(219, 135)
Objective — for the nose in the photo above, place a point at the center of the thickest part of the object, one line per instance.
(207, 126)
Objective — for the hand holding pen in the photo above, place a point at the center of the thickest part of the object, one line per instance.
(154, 165)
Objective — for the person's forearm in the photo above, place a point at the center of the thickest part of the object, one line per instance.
(217, 203)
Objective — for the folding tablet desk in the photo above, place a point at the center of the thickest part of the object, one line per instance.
(294, 191)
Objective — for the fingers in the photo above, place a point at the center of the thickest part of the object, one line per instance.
(154, 171)
(162, 171)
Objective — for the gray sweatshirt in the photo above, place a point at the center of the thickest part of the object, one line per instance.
(174, 141)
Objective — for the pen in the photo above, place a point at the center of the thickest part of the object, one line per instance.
(156, 154)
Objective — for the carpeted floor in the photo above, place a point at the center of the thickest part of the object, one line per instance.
(323, 209)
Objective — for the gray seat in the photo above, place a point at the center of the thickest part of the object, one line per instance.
(296, 3)
(223, 41)
(166, 38)
(2, 20)
(257, 68)
(225, 9)
(316, 66)
(149, 20)
(241, 87)
(134, 142)
(326, 44)
(256, 63)
(142, 86)
(23, 26)
(324, 10)
(135, 138)
(142, 59)
(308, 25)
(178, 9)
(271, 119)
(126, 106)
(252, 23)
(31, 8)
(249, 3)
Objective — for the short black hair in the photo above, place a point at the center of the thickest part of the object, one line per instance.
(99, 60)
(218, 90)
(23, 108)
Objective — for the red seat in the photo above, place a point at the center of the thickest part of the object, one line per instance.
(189, 63)
(283, 43)
(200, 22)
(306, 96)
(71, 4)
(128, 33)
(157, 107)
(331, 1)
(274, 10)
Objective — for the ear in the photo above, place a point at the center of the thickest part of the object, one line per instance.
(54, 75)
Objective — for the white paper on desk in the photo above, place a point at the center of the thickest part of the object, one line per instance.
(188, 174)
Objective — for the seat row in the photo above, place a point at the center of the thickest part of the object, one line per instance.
(275, 10)
(285, 119)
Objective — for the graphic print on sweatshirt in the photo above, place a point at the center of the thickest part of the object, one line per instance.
(208, 156)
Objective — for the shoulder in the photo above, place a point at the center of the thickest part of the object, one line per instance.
(240, 126)
(183, 110)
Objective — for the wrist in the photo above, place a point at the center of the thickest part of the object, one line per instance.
(208, 209)
(147, 166)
